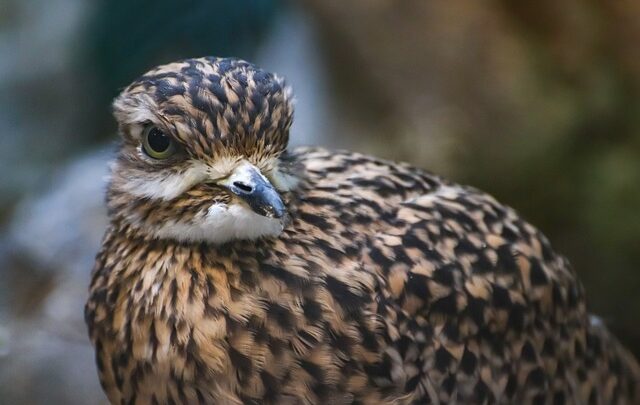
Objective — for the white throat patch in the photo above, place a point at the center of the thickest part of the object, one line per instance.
(223, 223)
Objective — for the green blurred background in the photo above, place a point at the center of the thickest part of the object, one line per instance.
(537, 102)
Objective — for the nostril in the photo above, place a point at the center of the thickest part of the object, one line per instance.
(242, 186)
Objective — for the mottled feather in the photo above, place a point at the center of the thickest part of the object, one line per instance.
(387, 284)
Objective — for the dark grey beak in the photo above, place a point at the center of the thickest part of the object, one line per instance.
(249, 184)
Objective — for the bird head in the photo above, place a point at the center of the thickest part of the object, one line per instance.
(201, 157)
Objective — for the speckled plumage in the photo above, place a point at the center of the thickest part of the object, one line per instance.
(386, 284)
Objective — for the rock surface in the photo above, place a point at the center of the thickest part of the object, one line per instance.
(47, 255)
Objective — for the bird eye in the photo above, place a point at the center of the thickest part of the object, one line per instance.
(157, 144)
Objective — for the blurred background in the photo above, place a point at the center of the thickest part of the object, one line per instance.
(537, 102)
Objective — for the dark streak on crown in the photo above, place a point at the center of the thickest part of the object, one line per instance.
(213, 105)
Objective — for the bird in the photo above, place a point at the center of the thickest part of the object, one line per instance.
(238, 270)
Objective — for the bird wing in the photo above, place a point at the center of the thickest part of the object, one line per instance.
(477, 307)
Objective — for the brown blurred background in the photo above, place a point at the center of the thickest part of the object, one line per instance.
(537, 102)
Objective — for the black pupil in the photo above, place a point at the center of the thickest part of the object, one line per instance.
(158, 141)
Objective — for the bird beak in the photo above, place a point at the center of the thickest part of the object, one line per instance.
(250, 185)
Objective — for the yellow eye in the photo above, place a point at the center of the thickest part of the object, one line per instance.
(157, 144)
